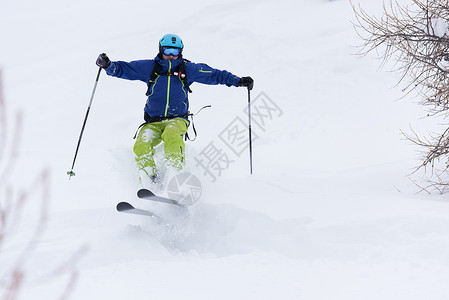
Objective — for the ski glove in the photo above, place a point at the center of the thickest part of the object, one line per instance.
(246, 81)
(103, 61)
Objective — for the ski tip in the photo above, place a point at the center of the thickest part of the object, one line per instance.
(124, 206)
(145, 193)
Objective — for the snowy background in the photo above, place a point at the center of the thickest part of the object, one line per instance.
(329, 212)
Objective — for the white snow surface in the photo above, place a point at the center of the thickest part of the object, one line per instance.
(329, 212)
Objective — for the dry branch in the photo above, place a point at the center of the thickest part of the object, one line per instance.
(12, 208)
(415, 39)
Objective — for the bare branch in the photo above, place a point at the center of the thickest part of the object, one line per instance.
(12, 208)
(415, 38)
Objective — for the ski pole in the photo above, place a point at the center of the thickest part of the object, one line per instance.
(249, 129)
(71, 173)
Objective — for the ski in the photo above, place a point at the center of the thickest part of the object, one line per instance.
(149, 195)
(125, 207)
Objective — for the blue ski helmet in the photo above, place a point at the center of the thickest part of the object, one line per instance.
(172, 41)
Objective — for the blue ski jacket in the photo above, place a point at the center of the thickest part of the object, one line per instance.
(168, 97)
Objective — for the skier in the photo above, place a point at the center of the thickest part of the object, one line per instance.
(168, 77)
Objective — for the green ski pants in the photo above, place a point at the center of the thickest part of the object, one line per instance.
(170, 132)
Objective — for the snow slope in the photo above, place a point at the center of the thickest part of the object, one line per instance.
(329, 212)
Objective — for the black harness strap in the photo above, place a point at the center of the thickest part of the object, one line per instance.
(149, 119)
(156, 72)
(153, 76)
(182, 74)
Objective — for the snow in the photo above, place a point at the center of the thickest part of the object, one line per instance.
(329, 212)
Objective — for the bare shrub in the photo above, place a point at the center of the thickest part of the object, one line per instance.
(415, 39)
(12, 209)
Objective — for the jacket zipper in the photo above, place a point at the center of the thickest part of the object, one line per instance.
(168, 88)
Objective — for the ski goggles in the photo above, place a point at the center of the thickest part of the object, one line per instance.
(171, 51)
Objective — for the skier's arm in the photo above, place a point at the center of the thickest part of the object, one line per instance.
(202, 73)
(135, 70)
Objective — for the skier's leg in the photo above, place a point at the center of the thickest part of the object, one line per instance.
(174, 146)
(149, 137)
